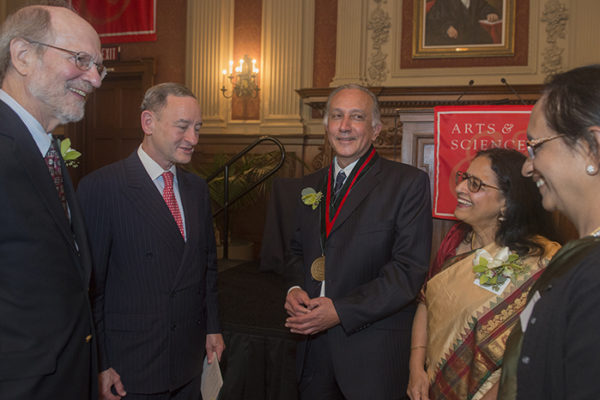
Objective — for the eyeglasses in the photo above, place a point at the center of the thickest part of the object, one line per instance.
(83, 60)
(474, 184)
(534, 144)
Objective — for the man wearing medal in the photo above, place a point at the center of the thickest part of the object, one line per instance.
(358, 259)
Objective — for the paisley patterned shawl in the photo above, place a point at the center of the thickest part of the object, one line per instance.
(468, 325)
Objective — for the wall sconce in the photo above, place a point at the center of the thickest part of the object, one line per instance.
(242, 79)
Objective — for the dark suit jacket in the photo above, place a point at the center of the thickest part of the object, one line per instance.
(447, 13)
(560, 356)
(154, 295)
(45, 312)
(376, 259)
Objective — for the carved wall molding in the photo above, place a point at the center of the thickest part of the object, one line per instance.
(379, 24)
(393, 99)
(322, 158)
(555, 15)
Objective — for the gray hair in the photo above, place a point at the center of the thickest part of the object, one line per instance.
(32, 23)
(155, 98)
(375, 112)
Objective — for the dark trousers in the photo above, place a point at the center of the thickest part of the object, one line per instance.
(189, 391)
(317, 381)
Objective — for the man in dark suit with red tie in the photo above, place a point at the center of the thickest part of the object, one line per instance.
(154, 258)
(50, 61)
(359, 257)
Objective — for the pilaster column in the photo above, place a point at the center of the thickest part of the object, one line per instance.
(282, 66)
(351, 43)
(582, 32)
(209, 32)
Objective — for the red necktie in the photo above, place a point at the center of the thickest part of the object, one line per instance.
(171, 201)
(53, 162)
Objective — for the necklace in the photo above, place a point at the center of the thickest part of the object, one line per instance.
(473, 245)
(472, 240)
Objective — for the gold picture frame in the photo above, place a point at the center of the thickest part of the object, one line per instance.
(430, 43)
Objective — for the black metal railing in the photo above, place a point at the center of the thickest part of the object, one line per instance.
(225, 170)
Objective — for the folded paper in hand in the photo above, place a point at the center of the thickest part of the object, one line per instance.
(212, 381)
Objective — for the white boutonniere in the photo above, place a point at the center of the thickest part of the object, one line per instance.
(495, 273)
(311, 197)
(69, 154)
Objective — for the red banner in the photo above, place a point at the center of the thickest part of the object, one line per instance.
(119, 21)
(460, 132)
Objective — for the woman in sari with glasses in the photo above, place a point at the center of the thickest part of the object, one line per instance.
(479, 281)
(553, 351)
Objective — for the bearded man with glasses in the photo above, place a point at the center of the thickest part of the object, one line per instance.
(50, 62)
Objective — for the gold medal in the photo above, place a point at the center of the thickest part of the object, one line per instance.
(317, 269)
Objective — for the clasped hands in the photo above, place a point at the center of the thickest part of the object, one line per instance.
(309, 316)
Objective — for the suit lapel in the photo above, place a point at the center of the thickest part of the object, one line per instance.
(78, 228)
(190, 205)
(145, 198)
(32, 161)
(28, 154)
(359, 192)
(190, 212)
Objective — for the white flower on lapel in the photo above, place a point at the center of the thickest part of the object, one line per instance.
(494, 271)
(482, 253)
(502, 255)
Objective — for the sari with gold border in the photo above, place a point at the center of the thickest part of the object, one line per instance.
(468, 325)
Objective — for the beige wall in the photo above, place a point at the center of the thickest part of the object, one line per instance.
(562, 34)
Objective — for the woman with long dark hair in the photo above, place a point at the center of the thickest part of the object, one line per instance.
(479, 281)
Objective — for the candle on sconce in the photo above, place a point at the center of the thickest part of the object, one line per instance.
(242, 78)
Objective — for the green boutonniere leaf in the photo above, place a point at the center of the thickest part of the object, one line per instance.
(494, 271)
(69, 154)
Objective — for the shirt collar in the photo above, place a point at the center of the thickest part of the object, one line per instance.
(152, 167)
(347, 170)
(40, 136)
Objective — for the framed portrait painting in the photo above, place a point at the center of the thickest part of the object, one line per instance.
(463, 28)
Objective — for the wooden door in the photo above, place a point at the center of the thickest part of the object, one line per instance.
(111, 128)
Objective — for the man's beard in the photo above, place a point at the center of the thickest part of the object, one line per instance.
(58, 105)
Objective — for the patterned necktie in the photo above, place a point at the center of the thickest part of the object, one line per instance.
(339, 182)
(171, 201)
(53, 162)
